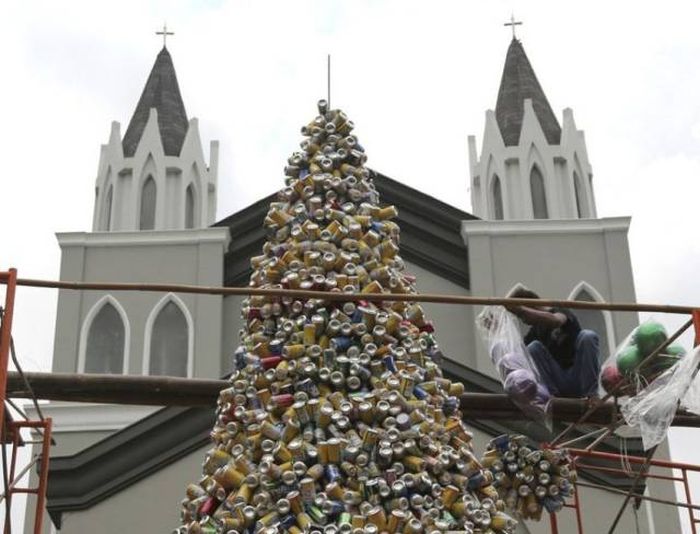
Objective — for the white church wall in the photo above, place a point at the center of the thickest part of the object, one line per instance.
(454, 324)
(182, 257)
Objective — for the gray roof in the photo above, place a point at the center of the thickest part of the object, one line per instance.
(163, 93)
(518, 83)
(430, 233)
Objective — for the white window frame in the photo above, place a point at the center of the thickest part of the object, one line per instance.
(87, 324)
(170, 297)
(607, 316)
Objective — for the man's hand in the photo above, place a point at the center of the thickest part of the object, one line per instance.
(515, 309)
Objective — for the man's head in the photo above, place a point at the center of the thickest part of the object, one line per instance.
(522, 292)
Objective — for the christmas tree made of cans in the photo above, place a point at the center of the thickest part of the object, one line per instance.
(337, 418)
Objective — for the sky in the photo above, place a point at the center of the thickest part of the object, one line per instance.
(415, 77)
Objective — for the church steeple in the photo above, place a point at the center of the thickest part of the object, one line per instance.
(156, 177)
(519, 83)
(530, 167)
(161, 93)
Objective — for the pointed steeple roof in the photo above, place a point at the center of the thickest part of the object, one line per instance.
(517, 84)
(163, 93)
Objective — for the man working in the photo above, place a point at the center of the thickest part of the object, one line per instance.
(565, 355)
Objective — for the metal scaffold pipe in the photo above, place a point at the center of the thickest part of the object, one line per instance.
(344, 297)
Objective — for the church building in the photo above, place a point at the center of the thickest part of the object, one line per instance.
(118, 469)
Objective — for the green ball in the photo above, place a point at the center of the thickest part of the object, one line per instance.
(649, 336)
(668, 358)
(628, 358)
(675, 350)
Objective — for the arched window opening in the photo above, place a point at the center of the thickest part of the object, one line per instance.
(147, 220)
(104, 352)
(539, 198)
(593, 320)
(108, 210)
(497, 198)
(169, 342)
(580, 197)
(189, 207)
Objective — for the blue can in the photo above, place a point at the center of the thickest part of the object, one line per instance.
(332, 473)
(476, 481)
(420, 393)
(288, 521)
(341, 343)
(553, 504)
(389, 363)
(275, 347)
(450, 406)
(501, 442)
(240, 358)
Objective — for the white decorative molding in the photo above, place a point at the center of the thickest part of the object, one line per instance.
(170, 297)
(82, 417)
(144, 238)
(545, 226)
(607, 316)
(87, 323)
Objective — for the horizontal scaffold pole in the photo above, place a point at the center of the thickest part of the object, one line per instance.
(174, 391)
(343, 296)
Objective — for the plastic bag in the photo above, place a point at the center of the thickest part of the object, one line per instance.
(650, 388)
(691, 400)
(509, 355)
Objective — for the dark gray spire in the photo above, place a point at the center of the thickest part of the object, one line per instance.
(163, 93)
(518, 83)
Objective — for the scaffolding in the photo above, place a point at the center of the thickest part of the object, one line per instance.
(169, 391)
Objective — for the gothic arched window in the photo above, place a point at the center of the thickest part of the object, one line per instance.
(593, 319)
(147, 221)
(108, 210)
(539, 197)
(104, 349)
(580, 197)
(169, 344)
(497, 198)
(189, 207)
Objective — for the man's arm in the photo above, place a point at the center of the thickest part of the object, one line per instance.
(533, 316)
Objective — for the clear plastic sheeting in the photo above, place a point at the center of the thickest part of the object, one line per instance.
(653, 408)
(518, 373)
(691, 400)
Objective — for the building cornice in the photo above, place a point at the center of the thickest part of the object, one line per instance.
(87, 417)
(144, 238)
(545, 226)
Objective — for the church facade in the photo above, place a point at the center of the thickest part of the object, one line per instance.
(534, 222)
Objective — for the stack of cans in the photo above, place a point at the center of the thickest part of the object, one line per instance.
(337, 418)
(529, 479)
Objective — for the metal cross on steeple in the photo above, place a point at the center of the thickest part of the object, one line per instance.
(513, 24)
(165, 33)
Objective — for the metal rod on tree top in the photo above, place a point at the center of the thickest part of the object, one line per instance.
(346, 297)
(328, 74)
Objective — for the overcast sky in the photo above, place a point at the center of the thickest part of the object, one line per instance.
(416, 78)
